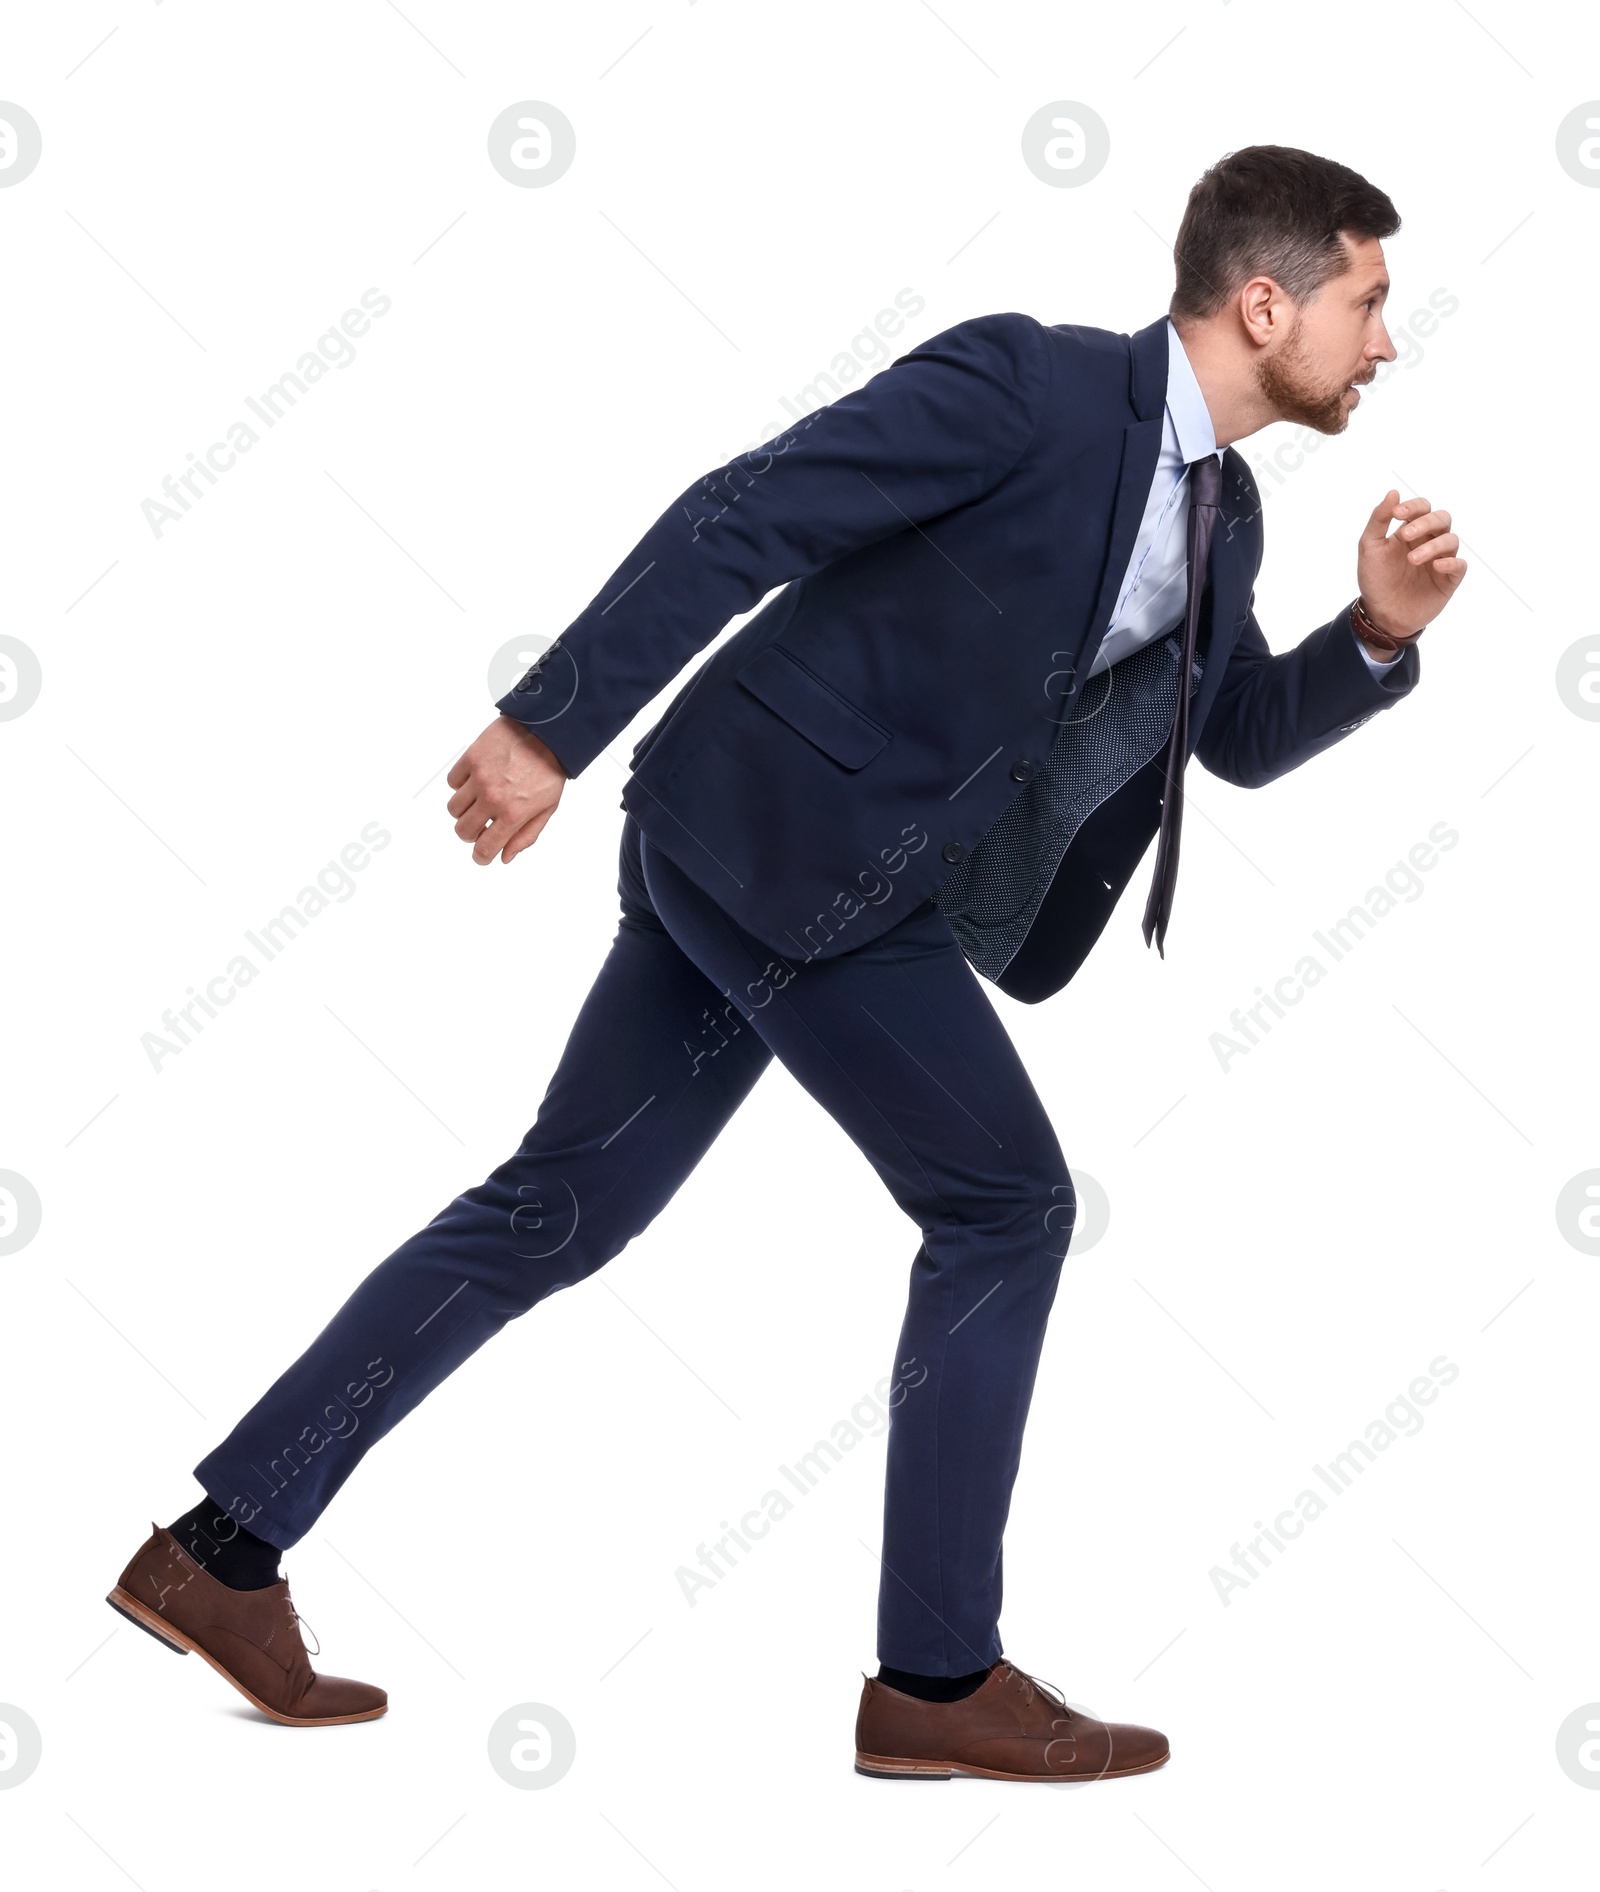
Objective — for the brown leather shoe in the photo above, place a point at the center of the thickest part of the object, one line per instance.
(1013, 1728)
(252, 1637)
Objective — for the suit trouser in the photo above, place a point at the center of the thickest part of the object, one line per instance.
(899, 1043)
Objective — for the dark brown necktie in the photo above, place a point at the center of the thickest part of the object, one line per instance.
(1205, 485)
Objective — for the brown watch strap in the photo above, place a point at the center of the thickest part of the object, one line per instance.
(1372, 637)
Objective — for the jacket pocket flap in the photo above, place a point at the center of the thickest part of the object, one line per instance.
(813, 707)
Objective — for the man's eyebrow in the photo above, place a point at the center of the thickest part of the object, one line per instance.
(1379, 288)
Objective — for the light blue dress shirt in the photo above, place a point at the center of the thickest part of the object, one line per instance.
(1154, 588)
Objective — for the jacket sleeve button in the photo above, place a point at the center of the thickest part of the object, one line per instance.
(953, 851)
(536, 668)
(1022, 771)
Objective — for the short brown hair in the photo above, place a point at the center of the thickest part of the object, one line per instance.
(1270, 210)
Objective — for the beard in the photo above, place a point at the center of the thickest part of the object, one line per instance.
(1289, 381)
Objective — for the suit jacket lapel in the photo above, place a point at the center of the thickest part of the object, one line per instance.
(1141, 446)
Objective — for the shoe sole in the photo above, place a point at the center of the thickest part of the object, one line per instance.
(173, 1638)
(885, 1767)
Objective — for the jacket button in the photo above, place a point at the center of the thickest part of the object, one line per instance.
(1022, 771)
(953, 851)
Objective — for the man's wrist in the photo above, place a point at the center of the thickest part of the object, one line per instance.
(1381, 641)
(542, 749)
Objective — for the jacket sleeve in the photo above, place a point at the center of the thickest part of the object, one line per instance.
(934, 430)
(1273, 713)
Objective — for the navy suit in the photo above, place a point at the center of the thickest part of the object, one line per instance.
(958, 528)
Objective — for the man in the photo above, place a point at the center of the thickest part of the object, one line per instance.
(1016, 574)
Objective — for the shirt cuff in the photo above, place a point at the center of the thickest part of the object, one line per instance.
(1377, 665)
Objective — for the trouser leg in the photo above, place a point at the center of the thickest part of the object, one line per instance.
(899, 1043)
(654, 1066)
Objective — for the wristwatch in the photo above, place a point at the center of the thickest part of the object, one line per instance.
(1371, 636)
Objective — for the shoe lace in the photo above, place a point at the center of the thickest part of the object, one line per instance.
(295, 1616)
(1032, 1684)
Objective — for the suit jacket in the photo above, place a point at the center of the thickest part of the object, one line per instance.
(949, 538)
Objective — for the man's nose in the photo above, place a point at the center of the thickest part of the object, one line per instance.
(1382, 349)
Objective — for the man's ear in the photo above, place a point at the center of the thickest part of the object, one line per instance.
(1264, 310)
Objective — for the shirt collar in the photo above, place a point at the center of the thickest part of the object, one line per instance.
(1191, 419)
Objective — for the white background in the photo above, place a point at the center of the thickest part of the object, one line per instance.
(224, 707)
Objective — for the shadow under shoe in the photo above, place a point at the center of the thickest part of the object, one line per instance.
(250, 1637)
(1013, 1728)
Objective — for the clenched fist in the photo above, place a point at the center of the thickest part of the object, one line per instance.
(507, 786)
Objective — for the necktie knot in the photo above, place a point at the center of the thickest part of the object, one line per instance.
(1205, 481)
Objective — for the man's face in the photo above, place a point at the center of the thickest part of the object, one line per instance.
(1335, 341)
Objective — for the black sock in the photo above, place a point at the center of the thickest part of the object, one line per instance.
(933, 1687)
(224, 1549)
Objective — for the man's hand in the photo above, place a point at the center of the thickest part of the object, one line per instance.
(1407, 578)
(507, 786)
